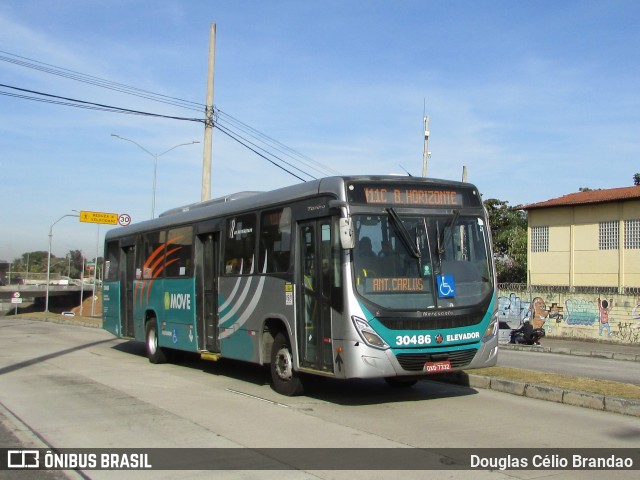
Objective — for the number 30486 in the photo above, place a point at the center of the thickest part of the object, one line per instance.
(413, 339)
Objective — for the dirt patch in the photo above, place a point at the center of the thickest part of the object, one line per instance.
(88, 307)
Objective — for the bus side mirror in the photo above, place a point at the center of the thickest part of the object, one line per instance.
(347, 237)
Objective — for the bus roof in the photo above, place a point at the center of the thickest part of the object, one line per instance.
(237, 202)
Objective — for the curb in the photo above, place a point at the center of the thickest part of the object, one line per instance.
(629, 357)
(594, 401)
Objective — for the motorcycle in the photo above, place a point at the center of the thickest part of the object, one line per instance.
(518, 337)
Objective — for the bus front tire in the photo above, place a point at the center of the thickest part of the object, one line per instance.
(284, 378)
(155, 354)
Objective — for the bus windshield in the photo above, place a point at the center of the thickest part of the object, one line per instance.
(421, 262)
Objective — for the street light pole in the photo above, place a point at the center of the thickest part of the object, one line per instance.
(46, 301)
(155, 165)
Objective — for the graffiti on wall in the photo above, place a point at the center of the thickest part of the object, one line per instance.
(575, 315)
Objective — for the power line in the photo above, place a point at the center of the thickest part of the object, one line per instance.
(224, 130)
(56, 99)
(275, 144)
(232, 124)
(268, 153)
(72, 102)
(97, 81)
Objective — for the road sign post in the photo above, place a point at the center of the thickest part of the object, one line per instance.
(16, 299)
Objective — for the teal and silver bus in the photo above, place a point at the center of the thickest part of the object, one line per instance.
(345, 277)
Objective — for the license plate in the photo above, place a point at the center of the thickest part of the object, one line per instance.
(436, 367)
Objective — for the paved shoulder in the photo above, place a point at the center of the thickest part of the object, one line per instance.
(614, 351)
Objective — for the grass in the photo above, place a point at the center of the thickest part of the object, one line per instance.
(566, 382)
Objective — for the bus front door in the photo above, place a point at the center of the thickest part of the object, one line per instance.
(207, 288)
(314, 318)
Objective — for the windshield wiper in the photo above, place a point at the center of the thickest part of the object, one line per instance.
(442, 240)
(405, 237)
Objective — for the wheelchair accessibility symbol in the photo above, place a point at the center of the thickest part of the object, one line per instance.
(446, 286)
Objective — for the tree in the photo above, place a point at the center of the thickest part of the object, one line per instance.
(509, 238)
(36, 262)
(636, 179)
(33, 262)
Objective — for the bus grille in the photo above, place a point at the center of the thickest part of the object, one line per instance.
(414, 362)
(436, 323)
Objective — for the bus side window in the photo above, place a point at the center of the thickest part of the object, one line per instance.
(179, 252)
(240, 245)
(152, 257)
(275, 240)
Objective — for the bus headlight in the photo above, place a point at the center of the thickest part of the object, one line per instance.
(492, 329)
(367, 334)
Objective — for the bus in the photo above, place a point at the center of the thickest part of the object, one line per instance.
(344, 277)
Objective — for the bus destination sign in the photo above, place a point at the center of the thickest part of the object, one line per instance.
(407, 196)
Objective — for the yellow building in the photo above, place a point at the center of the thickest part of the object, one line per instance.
(586, 239)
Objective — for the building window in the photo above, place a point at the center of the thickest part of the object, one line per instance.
(540, 239)
(632, 233)
(608, 235)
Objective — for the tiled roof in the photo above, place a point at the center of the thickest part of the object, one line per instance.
(590, 197)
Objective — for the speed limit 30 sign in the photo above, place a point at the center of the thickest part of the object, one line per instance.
(124, 219)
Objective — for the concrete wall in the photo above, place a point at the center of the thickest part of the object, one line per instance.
(574, 315)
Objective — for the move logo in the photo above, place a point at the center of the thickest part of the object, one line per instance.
(177, 301)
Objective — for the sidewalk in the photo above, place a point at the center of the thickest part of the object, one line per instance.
(582, 348)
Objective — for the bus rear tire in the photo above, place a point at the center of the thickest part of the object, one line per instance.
(400, 382)
(155, 354)
(285, 380)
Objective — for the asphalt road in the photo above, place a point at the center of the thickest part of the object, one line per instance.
(579, 366)
(80, 387)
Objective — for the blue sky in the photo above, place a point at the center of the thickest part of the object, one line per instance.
(535, 98)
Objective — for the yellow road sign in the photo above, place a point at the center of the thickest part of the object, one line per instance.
(99, 217)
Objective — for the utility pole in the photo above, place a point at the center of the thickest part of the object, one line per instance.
(208, 125)
(425, 154)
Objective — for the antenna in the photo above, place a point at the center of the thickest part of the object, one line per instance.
(426, 153)
(406, 171)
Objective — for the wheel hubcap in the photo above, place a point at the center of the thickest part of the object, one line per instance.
(152, 342)
(284, 367)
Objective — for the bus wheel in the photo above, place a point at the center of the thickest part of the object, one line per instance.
(401, 382)
(285, 380)
(155, 354)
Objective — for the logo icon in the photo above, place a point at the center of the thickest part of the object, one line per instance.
(23, 459)
(439, 338)
(446, 286)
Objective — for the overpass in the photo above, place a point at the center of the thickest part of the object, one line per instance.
(61, 297)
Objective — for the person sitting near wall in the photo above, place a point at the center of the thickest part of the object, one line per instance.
(524, 334)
